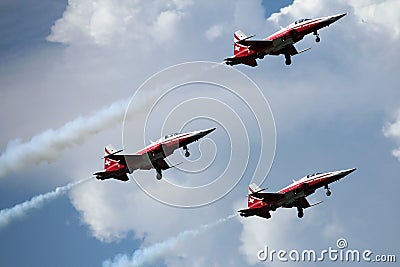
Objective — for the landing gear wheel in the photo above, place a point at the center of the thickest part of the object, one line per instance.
(288, 60)
(187, 154)
(328, 192)
(300, 214)
(317, 39)
(272, 207)
(159, 176)
(260, 55)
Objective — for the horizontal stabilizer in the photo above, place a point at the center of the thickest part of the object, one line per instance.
(241, 60)
(112, 175)
(261, 212)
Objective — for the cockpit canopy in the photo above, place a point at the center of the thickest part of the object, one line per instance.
(170, 135)
(300, 21)
(313, 174)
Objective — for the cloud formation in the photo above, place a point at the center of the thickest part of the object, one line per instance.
(109, 45)
(110, 22)
(392, 130)
(337, 67)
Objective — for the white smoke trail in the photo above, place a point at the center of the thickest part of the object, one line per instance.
(153, 254)
(19, 211)
(48, 145)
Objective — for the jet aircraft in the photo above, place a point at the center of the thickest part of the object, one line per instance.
(294, 195)
(246, 51)
(117, 166)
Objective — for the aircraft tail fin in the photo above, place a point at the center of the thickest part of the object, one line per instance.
(109, 149)
(238, 36)
(252, 202)
(253, 188)
(111, 164)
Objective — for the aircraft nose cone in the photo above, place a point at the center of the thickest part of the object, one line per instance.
(336, 17)
(201, 134)
(344, 173)
(205, 132)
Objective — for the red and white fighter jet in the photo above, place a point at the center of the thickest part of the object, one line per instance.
(294, 195)
(280, 43)
(152, 156)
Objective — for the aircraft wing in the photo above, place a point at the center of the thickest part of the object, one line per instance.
(269, 197)
(112, 175)
(161, 164)
(143, 162)
(256, 44)
(250, 61)
(290, 49)
(254, 212)
(303, 203)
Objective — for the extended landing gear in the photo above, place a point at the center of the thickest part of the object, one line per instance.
(260, 55)
(272, 207)
(317, 39)
(159, 174)
(187, 153)
(288, 59)
(328, 192)
(267, 215)
(300, 212)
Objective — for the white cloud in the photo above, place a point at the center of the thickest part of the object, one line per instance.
(345, 81)
(214, 31)
(371, 15)
(379, 15)
(113, 46)
(112, 23)
(392, 130)
(330, 92)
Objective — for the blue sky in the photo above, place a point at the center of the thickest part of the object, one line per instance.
(335, 107)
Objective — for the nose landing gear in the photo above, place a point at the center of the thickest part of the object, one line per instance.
(187, 153)
(328, 191)
(317, 38)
